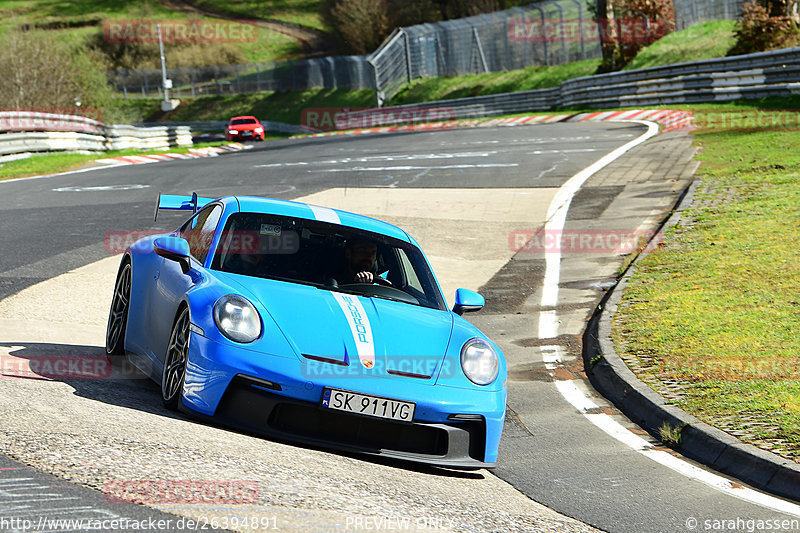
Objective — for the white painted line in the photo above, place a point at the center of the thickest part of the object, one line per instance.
(571, 151)
(443, 167)
(548, 328)
(720, 483)
(573, 395)
(277, 165)
(548, 324)
(619, 432)
(551, 355)
(557, 213)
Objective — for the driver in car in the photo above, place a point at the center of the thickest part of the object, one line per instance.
(359, 265)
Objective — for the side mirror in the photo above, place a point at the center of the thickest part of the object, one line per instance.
(175, 249)
(468, 301)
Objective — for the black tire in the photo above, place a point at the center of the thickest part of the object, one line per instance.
(174, 372)
(118, 315)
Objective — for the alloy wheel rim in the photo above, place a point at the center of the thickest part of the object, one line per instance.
(177, 353)
(119, 308)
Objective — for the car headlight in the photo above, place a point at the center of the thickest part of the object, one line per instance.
(259, 130)
(237, 318)
(233, 132)
(479, 362)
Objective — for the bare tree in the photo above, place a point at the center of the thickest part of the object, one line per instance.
(40, 72)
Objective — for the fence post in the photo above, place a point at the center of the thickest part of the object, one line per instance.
(407, 50)
(378, 97)
(481, 55)
(565, 57)
(580, 27)
(544, 34)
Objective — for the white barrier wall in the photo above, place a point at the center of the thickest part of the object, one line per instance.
(31, 131)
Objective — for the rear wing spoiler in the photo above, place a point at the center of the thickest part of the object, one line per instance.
(180, 202)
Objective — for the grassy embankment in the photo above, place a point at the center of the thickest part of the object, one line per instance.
(711, 319)
(287, 107)
(698, 42)
(78, 21)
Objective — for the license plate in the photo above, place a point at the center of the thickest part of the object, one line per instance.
(364, 404)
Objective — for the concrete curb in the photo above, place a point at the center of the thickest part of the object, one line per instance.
(669, 119)
(193, 153)
(699, 441)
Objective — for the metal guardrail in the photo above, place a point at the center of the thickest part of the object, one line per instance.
(124, 137)
(29, 131)
(67, 141)
(760, 75)
(218, 126)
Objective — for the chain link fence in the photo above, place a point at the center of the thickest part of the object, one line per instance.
(691, 12)
(340, 72)
(549, 32)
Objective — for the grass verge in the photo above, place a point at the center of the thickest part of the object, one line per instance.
(701, 41)
(538, 77)
(53, 163)
(711, 318)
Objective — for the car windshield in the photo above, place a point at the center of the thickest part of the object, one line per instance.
(327, 256)
(238, 121)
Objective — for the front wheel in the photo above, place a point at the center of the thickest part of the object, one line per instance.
(177, 355)
(118, 316)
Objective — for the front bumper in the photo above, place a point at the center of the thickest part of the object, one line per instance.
(280, 397)
(245, 135)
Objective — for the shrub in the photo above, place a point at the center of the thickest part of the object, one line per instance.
(620, 47)
(765, 25)
(361, 25)
(40, 71)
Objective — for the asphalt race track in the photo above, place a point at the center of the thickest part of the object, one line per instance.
(467, 196)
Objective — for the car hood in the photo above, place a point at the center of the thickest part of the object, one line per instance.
(356, 331)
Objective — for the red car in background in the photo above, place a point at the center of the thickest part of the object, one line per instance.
(244, 129)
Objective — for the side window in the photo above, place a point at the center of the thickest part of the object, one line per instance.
(411, 275)
(199, 231)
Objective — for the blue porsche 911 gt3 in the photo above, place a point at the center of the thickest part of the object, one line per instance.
(312, 325)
